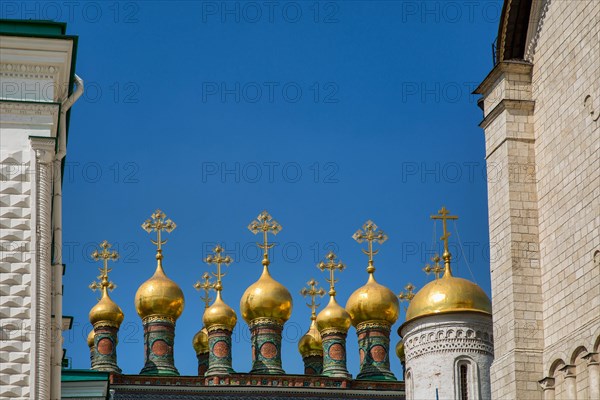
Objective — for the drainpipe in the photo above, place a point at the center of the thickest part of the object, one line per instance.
(57, 267)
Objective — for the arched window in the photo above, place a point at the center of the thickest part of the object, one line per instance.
(466, 379)
(463, 383)
(408, 387)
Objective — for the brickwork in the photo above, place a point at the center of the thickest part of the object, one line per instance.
(542, 133)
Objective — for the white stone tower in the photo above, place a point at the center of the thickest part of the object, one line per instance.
(541, 117)
(37, 77)
(447, 336)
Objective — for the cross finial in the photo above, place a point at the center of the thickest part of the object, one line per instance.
(266, 224)
(443, 214)
(217, 259)
(435, 269)
(331, 265)
(313, 292)
(158, 223)
(105, 255)
(408, 295)
(370, 233)
(207, 286)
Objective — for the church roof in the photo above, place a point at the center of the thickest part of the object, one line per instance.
(250, 387)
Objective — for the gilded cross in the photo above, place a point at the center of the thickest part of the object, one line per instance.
(331, 265)
(313, 292)
(443, 214)
(217, 259)
(435, 269)
(158, 223)
(207, 286)
(370, 233)
(105, 255)
(408, 295)
(266, 224)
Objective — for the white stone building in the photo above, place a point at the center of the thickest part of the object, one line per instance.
(541, 106)
(37, 80)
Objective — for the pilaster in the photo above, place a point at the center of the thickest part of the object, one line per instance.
(593, 367)
(514, 231)
(41, 291)
(547, 385)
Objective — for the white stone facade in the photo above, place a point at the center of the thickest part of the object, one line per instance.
(542, 129)
(34, 78)
(437, 346)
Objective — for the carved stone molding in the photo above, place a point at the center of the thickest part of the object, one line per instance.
(547, 383)
(592, 106)
(29, 71)
(449, 339)
(532, 45)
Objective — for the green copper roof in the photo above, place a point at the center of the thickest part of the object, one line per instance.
(32, 27)
(78, 375)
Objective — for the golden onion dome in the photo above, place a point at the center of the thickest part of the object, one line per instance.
(200, 341)
(311, 344)
(266, 298)
(90, 338)
(219, 313)
(448, 294)
(159, 295)
(373, 302)
(106, 310)
(400, 350)
(334, 316)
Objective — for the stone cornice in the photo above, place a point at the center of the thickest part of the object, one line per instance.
(512, 66)
(507, 104)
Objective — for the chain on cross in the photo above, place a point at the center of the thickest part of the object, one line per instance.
(266, 224)
(105, 255)
(370, 233)
(409, 294)
(158, 222)
(331, 265)
(207, 286)
(313, 292)
(435, 269)
(217, 259)
(443, 214)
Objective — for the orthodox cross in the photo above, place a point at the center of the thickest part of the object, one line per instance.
(408, 295)
(435, 269)
(443, 215)
(217, 259)
(266, 224)
(158, 223)
(105, 255)
(331, 265)
(207, 286)
(370, 233)
(313, 292)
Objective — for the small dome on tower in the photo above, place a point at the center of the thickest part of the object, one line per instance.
(90, 338)
(373, 302)
(448, 294)
(266, 298)
(400, 350)
(106, 310)
(311, 344)
(200, 341)
(159, 295)
(334, 316)
(220, 313)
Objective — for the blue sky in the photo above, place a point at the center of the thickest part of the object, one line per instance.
(325, 114)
